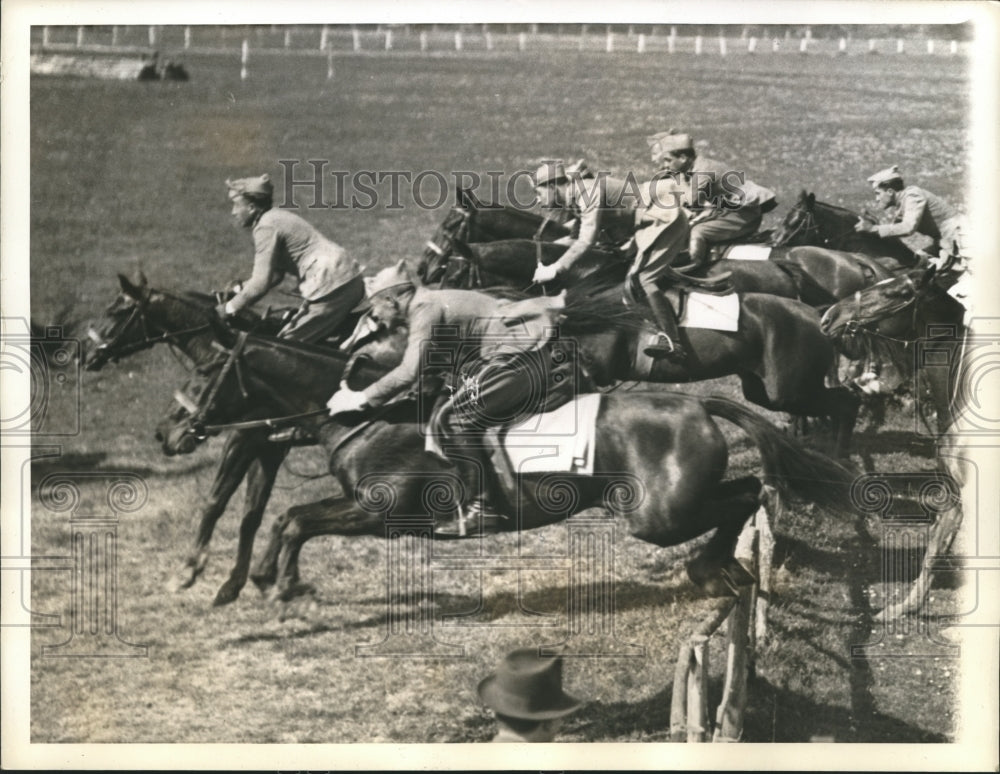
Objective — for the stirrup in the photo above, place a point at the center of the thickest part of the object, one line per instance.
(477, 518)
(671, 350)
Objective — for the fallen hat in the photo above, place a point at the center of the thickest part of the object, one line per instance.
(391, 278)
(254, 187)
(669, 141)
(528, 686)
(884, 176)
(550, 172)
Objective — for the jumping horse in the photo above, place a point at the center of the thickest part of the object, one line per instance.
(660, 461)
(895, 318)
(139, 318)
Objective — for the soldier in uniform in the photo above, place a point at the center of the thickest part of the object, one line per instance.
(724, 205)
(602, 206)
(924, 222)
(329, 280)
(506, 362)
(662, 234)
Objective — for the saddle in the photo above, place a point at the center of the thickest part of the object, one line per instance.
(678, 278)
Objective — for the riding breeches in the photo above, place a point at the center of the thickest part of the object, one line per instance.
(727, 226)
(320, 319)
(501, 391)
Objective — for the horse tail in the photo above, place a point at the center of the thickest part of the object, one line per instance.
(789, 467)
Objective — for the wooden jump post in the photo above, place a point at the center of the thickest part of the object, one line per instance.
(689, 714)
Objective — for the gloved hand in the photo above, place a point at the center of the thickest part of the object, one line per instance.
(346, 400)
(545, 273)
(865, 226)
(225, 310)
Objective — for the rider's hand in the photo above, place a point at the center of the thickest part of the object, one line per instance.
(864, 226)
(225, 310)
(346, 400)
(545, 273)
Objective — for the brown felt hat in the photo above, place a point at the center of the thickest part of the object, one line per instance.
(528, 686)
(669, 141)
(393, 278)
(885, 175)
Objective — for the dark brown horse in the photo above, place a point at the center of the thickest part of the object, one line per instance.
(816, 275)
(912, 321)
(141, 317)
(812, 222)
(660, 461)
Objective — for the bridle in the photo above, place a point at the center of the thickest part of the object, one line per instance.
(858, 324)
(112, 350)
(805, 225)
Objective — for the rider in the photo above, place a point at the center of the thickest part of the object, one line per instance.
(724, 204)
(501, 353)
(922, 221)
(329, 280)
(662, 233)
(602, 207)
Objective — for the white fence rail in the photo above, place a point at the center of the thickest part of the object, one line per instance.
(480, 38)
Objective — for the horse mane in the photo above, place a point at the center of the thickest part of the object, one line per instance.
(594, 304)
(835, 208)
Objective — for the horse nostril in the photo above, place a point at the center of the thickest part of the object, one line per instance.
(158, 436)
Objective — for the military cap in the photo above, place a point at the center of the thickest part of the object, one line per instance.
(251, 187)
(550, 172)
(885, 175)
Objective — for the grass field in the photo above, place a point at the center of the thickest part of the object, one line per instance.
(127, 174)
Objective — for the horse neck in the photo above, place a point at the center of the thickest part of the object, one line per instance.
(300, 376)
(170, 315)
(502, 223)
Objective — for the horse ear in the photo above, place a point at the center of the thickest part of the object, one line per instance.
(141, 275)
(129, 289)
(225, 335)
(811, 199)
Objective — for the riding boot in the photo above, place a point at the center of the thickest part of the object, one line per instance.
(666, 320)
(477, 516)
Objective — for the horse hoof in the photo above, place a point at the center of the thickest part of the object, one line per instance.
(181, 581)
(294, 590)
(718, 580)
(226, 595)
(264, 583)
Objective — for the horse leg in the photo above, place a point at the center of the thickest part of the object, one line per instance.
(330, 516)
(237, 456)
(260, 481)
(716, 569)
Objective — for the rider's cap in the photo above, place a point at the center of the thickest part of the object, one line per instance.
(393, 278)
(669, 141)
(251, 187)
(550, 172)
(578, 168)
(886, 175)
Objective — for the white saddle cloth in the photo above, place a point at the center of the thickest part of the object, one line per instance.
(717, 313)
(749, 253)
(557, 441)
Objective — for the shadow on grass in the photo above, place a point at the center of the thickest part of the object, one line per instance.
(778, 715)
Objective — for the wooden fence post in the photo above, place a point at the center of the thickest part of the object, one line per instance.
(388, 40)
(423, 40)
(324, 38)
(357, 39)
(640, 46)
(752, 46)
(187, 37)
(609, 46)
(152, 35)
(722, 45)
(522, 41)
(899, 46)
(458, 40)
(697, 44)
(244, 56)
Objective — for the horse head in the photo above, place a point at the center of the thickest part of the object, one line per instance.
(799, 225)
(250, 378)
(438, 249)
(883, 311)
